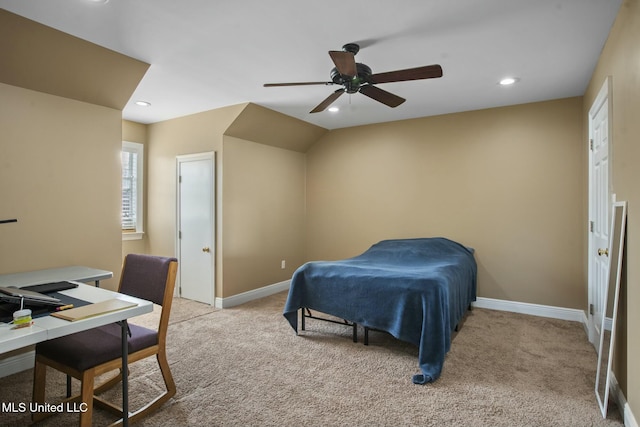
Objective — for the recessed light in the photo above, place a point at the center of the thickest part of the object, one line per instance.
(508, 81)
(143, 103)
(334, 109)
(98, 1)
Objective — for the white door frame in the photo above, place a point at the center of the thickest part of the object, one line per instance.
(604, 95)
(186, 158)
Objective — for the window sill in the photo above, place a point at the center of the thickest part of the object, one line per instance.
(133, 236)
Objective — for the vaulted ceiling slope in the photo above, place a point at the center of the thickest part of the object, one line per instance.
(46, 60)
(209, 54)
(265, 126)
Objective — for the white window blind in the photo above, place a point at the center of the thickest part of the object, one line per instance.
(132, 155)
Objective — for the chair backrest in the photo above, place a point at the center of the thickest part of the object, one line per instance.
(146, 277)
(152, 278)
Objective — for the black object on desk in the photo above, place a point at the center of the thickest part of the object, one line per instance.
(46, 288)
(38, 310)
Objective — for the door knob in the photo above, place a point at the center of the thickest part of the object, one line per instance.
(206, 250)
(604, 251)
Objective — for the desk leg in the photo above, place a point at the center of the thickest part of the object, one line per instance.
(125, 372)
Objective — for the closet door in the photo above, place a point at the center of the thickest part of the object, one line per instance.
(196, 219)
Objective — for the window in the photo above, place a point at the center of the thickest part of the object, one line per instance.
(132, 173)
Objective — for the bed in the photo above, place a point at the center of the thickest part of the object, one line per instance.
(418, 290)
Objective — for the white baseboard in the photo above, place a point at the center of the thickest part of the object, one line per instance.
(572, 314)
(623, 406)
(265, 291)
(629, 419)
(532, 309)
(616, 394)
(18, 363)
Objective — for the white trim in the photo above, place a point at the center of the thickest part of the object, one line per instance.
(532, 309)
(629, 419)
(18, 363)
(571, 314)
(608, 323)
(265, 291)
(138, 148)
(616, 394)
(133, 236)
(621, 401)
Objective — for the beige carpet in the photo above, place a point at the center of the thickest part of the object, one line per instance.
(245, 366)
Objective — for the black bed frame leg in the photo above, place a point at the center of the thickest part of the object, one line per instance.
(303, 315)
(366, 336)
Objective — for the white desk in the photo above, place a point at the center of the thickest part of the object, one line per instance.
(76, 273)
(48, 327)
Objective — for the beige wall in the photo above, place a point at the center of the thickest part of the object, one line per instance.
(192, 134)
(620, 59)
(263, 214)
(505, 181)
(137, 132)
(259, 196)
(59, 175)
(60, 172)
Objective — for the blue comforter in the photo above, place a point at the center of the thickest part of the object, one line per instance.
(415, 289)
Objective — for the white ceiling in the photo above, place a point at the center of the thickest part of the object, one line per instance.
(207, 54)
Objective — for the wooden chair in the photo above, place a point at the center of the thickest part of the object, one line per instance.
(89, 354)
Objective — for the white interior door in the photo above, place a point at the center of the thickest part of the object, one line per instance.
(599, 210)
(196, 246)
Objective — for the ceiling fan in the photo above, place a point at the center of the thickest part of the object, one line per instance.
(356, 77)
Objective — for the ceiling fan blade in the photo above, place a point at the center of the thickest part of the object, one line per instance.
(297, 84)
(428, 72)
(328, 101)
(380, 95)
(345, 62)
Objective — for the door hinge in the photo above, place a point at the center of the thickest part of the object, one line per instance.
(591, 309)
(591, 226)
(179, 179)
(179, 234)
(591, 144)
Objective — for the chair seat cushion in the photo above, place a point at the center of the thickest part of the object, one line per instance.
(93, 347)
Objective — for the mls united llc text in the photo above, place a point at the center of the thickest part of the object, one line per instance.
(32, 407)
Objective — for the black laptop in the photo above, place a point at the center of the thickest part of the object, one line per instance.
(18, 295)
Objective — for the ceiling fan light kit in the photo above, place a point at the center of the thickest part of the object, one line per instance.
(356, 77)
